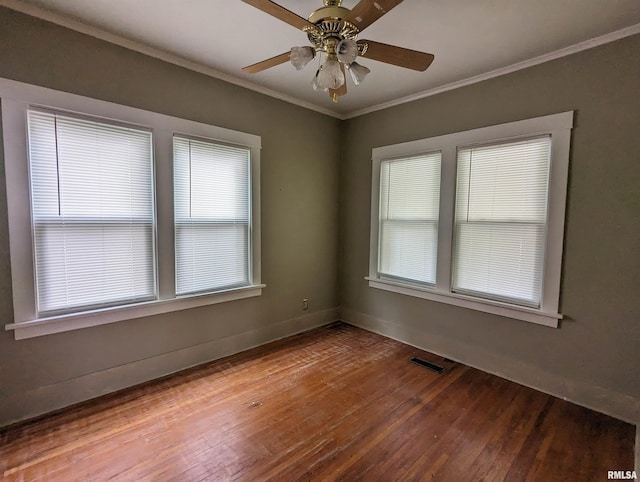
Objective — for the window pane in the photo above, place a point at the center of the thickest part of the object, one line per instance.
(206, 246)
(102, 263)
(92, 207)
(501, 205)
(409, 209)
(409, 249)
(499, 260)
(211, 189)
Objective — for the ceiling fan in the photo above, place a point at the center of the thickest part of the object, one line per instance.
(333, 31)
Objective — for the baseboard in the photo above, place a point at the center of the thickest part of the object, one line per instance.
(617, 405)
(25, 405)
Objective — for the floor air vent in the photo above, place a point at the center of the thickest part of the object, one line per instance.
(426, 364)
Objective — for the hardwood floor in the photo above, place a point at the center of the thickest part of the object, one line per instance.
(336, 403)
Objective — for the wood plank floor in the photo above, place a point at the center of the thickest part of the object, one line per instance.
(336, 403)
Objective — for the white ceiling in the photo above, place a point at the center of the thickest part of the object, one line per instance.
(469, 38)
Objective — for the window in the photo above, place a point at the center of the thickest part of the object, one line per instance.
(501, 211)
(481, 223)
(92, 212)
(409, 202)
(119, 213)
(211, 192)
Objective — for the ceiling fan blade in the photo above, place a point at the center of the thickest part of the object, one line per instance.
(267, 64)
(280, 13)
(342, 90)
(368, 11)
(390, 54)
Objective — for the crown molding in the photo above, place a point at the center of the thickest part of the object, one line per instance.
(556, 54)
(34, 11)
(160, 54)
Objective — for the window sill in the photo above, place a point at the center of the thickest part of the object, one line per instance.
(85, 319)
(494, 307)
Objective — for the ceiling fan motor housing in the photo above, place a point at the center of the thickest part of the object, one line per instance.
(329, 28)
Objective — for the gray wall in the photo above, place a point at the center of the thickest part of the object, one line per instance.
(316, 178)
(594, 357)
(300, 167)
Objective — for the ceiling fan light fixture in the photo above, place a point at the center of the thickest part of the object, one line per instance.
(330, 75)
(358, 72)
(301, 56)
(347, 51)
(332, 31)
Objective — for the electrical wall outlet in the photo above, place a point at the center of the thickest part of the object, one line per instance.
(305, 303)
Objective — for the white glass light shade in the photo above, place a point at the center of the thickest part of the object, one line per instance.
(347, 51)
(314, 83)
(358, 72)
(301, 56)
(330, 75)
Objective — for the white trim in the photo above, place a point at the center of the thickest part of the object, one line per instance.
(157, 53)
(35, 95)
(98, 33)
(487, 306)
(532, 127)
(525, 64)
(444, 256)
(85, 319)
(17, 97)
(559, 127)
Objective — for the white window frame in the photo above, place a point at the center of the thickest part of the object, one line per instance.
(17, 98)
(558, 126)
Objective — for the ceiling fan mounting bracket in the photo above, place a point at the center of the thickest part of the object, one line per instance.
(332, 12)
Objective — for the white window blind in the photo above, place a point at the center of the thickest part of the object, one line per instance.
(409, 210)
(500, 220)
(92, 212)
(212, 215)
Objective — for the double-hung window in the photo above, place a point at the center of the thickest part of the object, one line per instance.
(500, 220)
(481, 223)
(409, 209)
(117, 213)
(212, 224)
(92, 213)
